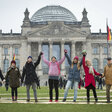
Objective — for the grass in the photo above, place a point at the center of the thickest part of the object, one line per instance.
(43, 92)
(54, 108)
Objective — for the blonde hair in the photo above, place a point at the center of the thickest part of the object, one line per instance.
(87, 61)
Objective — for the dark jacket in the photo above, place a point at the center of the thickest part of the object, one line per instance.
(1, 76)
(29, 72)
(13, 75)
(74, 73)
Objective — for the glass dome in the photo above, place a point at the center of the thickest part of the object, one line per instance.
(53, 13)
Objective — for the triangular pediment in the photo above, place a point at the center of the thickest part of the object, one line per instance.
(57, 29)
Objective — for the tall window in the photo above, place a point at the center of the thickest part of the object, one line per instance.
(56, 51)
(95, 64)
(95, 50)
(6, 65)
(17, 63)
(16, 51)
(6, 51)
(105, 50)
(104, 62)
(45, 50)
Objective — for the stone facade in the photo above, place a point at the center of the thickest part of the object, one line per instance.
(34, 35)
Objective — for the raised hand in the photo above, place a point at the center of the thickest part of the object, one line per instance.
(84, 53)
(65, 51)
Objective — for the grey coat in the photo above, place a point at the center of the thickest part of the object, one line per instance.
(74, 73)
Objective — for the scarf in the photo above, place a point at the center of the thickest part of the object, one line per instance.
(91, 70)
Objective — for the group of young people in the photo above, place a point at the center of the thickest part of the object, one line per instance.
(29, 76)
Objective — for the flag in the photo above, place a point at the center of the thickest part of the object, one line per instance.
(14, 57)
(108, 33)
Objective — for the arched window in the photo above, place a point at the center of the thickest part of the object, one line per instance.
(95, 64)
(95, 50)
(17, 63)
(6, 65)
(105, 50)
(104, 62)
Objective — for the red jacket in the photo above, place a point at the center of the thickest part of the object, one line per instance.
(89, 78)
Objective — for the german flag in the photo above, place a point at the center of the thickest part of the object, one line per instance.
(108, 33)
(14, 57)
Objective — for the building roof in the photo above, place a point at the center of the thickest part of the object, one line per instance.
(53, 13)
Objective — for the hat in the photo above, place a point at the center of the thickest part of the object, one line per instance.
(76, 57)
(53, 57)
(109, 58)
(29, 57)
(13, 61)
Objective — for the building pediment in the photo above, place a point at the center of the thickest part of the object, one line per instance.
(56, 29)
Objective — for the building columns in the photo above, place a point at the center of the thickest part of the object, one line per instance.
(62, 54)
(29, 48)
(73, 50)
(101, 58)
(1, 57)
(50, 50)
(11, 53)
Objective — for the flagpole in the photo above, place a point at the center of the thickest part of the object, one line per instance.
(107, 38)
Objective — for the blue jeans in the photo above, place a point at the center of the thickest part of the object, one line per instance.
(68, 85)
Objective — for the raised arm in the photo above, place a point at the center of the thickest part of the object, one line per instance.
(45, 61)
(96, 73)
(68, 58)
(83, 61)
(2, 77)
(61, 61)
(38, 60)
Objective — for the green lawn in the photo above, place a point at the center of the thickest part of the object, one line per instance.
(54, 108)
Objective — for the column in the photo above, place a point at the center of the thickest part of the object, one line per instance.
(40, 72)
(23, 53)
(89, 51)
(73, 50)
(101, 58)
(62, 54)
(84, 46)
(1, 58)
(29, 48)
(11, 53)
(50, 49)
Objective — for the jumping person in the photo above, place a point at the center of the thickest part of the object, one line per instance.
(54, 72)
(13, 75)
(73, 77)
(31, 76)
(89, 77)
(108, 77)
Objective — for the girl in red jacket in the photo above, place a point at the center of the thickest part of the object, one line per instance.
(89, 78)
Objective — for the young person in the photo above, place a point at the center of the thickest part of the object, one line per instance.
(108, 77)
(13, 75)
(31, 76)
(89, 77)
(54, 72)
(73, 77)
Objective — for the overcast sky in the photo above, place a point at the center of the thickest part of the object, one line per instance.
(12, 12)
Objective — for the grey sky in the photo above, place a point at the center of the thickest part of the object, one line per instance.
(12, 12)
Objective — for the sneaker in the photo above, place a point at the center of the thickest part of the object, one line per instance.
(96, 100)
(36, 100)
(50, 100)
(108, 101)
(28, 100)
(56, 100)
(64, 100)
